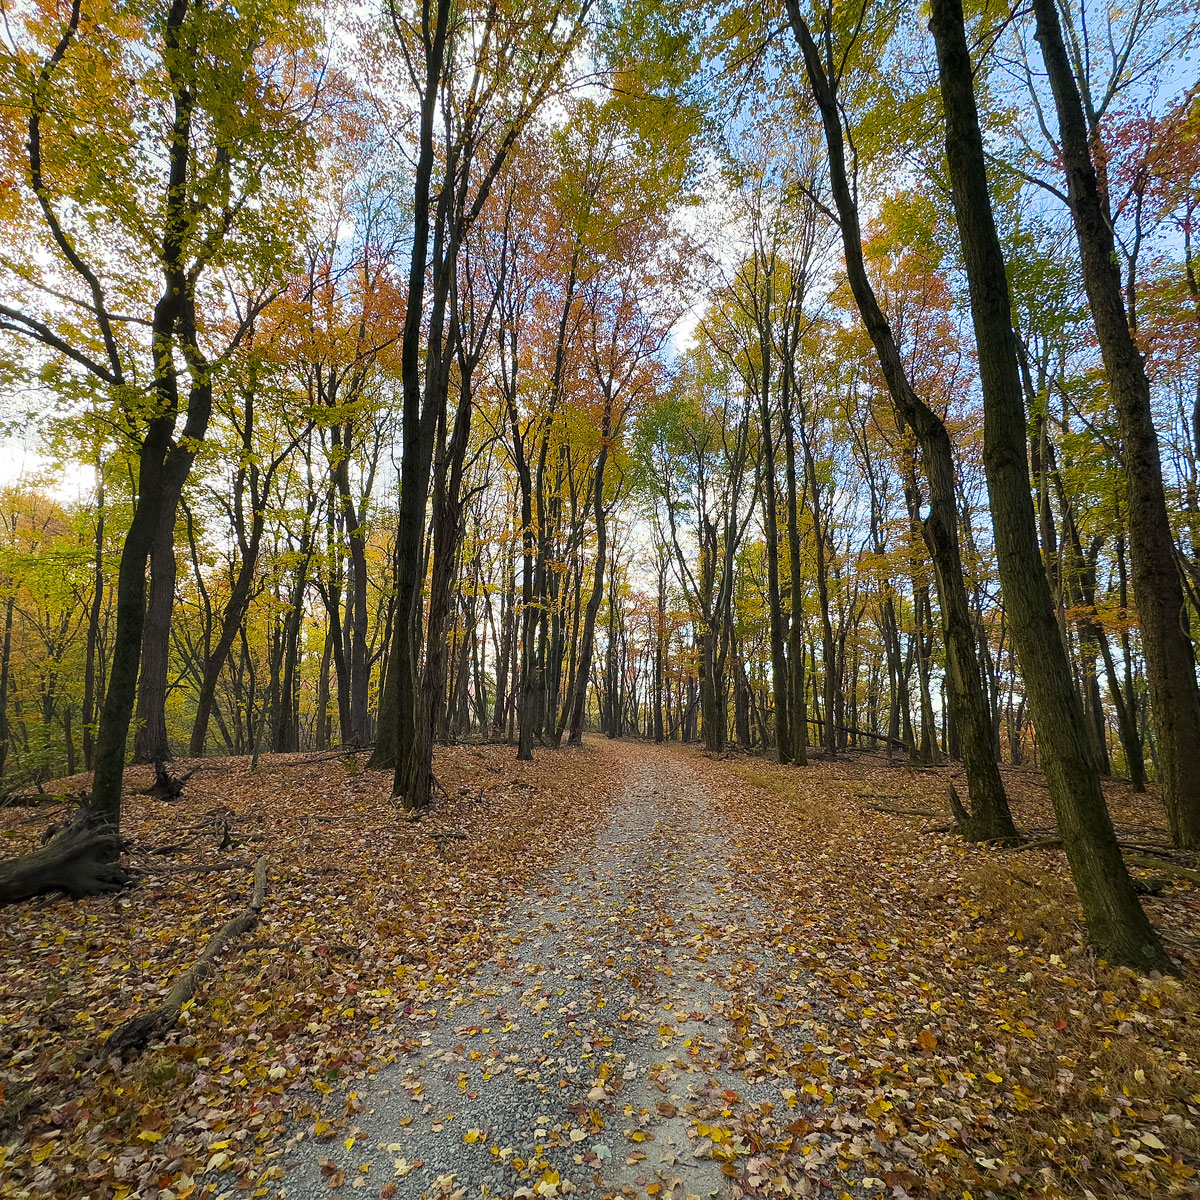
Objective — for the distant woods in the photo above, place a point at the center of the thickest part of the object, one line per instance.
(392, 388)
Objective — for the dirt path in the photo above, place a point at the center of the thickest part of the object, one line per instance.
(597, 1052)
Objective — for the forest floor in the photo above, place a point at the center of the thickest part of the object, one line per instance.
(621, 970)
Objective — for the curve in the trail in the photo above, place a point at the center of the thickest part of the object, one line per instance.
(595, 1053)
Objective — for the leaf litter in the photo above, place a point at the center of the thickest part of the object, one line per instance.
(620, 971)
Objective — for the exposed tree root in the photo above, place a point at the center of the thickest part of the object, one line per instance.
(188, 868)
(443, 839)
(896, 811)
(135, 1033)
(969, 827)
(1147, 858)
(1163, 864)
(167, 786)
(962, 818)
(80, 860)
(1050, 843)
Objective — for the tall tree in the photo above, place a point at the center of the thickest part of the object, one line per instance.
(185, 170)
(1157, 588)
(1116, 922)
(481, 73)
(990, 817)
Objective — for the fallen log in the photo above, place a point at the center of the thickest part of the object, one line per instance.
(135, 1033)
(351, 752)
(80, 860)
(855, 731)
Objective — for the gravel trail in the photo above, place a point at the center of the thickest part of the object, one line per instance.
(592, 1055)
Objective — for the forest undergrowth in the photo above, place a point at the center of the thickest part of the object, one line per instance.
(960, 1039)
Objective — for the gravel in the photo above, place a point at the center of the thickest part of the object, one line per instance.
(583, 1058)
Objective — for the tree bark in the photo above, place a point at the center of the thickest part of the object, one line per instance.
(1116, 923)
(779, 670)
(797, 695)
(150, 741)
(231, 620)
(285, 725)
(359, 667)
(577, 696)
(93, 630)
(1157, 588)
(990, 816)
(163, 460)
(81, 861)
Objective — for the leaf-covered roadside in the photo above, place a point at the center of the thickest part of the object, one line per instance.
(923, 1013)
(944, 1027)
(367, 918)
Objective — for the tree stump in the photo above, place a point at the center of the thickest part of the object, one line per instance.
(81, 860)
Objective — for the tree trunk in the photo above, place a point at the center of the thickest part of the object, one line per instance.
(660, 637)
(990, 816)
(504, 650)
(1157, 589)
(797, 696)
(93, 631)
(359, 667)
(285, 731)
(525, 694)
(577, 696)
(231, 620)
(1116, 923)
(779, 671)
(81, 861)
(398, 730)
(712, 693)
(321, 734)
(150, 741)
(5, 669)
(447, 518)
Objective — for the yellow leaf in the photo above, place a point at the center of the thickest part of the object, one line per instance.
(349, 1143)
(472, 1136)
(150, 1135)
(42, 1152)
(994, 1077)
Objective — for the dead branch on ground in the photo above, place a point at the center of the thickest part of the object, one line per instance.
(135, 1033)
